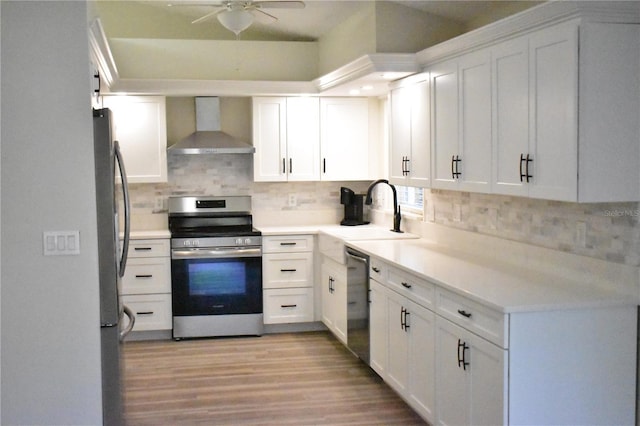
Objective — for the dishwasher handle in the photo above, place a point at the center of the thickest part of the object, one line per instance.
(356, 256)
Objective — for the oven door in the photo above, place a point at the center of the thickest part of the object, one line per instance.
(216, 281)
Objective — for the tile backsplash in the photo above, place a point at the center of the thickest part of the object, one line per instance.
(608, 231)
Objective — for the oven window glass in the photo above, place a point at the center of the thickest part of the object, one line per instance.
(222, 278)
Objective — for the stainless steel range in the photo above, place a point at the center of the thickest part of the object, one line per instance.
(216, 267)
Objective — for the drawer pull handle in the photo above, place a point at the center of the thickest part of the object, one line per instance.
(464, 313)
(145, 313)
(288, 244)
(288, 270)
(407, 285)
(376, 270)
(142, 248)
(144, 276)
(288, 306)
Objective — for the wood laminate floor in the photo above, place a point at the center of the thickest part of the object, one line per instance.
(276, 379)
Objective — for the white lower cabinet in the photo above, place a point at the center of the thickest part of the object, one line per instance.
(146, 285)
(402, 347)
(457, 361)
(334, 297)
(470, 378)
(287, 272)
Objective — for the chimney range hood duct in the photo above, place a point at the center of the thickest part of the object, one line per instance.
(208, 139)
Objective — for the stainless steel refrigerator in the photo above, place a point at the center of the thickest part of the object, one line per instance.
(112, 258)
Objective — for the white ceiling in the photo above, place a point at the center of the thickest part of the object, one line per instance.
(320, 16)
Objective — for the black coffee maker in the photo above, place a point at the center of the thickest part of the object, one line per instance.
(354, 208)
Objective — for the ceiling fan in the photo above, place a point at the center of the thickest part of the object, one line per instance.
(237, 16)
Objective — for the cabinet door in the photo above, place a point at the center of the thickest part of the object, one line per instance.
(270, 139)
(471, 378)
(378, 320)
(334, 298)
(344, 138)
(474, 78)
(398, 355)
(139, 124)
(510, 71)
(420, 160)
(303, 139)
(422, 380)
(400, 106)
(444, 109)
(553, 61)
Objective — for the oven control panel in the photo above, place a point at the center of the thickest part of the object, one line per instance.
(250, 241)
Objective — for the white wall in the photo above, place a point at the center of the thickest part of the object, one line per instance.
(50, 363)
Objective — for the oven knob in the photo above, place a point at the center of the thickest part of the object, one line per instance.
(238, 241)
(247, 241)
(187, 243)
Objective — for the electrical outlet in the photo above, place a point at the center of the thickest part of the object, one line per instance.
(293, 201)
(159, 204)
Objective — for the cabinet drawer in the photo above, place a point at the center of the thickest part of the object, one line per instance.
(475, 317)
(287, 243)
(416, 289)
(288, 305)
(378, 270)
(152, 311)
(147, 275)
(282, 270)
(149, 248)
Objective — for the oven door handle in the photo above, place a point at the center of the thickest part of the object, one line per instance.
(216, 252)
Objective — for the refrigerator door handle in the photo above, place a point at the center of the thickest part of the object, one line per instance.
(132, 320)
(127, 209)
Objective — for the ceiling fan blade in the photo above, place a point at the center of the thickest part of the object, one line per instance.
(185, 3)
(207, 16)
(270, 18)
(279, 4)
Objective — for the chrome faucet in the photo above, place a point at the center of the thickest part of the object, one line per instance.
(396, 208)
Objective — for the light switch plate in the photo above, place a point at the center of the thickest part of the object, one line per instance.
(61, 243)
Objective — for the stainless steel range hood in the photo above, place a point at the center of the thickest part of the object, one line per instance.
(208, 138)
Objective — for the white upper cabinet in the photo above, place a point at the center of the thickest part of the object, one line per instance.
(536, 115)
(286, 137)
(410, 147)
(345, 139)
(139, 125)
(313, 139)
(461, 123)
(555, 101)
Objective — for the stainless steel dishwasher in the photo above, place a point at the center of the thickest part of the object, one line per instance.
(358, 303)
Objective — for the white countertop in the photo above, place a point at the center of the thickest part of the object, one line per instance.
(361, 232)
(150, 234)
(500, 285)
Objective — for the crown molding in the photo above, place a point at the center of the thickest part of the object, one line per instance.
(550, 13)
(101, 53)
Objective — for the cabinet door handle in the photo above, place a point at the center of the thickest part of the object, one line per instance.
(376, 270)
(464, 313)
(462, 347)
(290, 165)
(406, 323)
(144, 276)
(402, 318)
(324, 165)
(288, 244)
(288, 306)
(406, 285)
(288, 270)
(284, 166)
(145, 313)
(142, 248)
(525, 175)
(331, 289)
